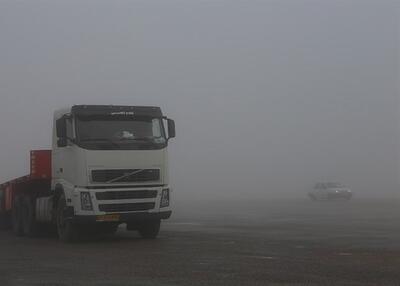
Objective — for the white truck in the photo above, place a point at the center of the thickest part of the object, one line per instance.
(108, 165)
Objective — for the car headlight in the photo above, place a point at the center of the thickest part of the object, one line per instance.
(86, 201)
(164, 198)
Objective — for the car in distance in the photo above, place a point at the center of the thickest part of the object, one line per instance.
(330, 192)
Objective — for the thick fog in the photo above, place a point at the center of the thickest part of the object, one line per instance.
(269, 97)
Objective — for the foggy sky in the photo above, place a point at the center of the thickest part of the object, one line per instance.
(269, 97)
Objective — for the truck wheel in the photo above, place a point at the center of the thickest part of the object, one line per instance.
(3, 221)
(150, 229)
(66, 230)
(17, 216)
(28, 216)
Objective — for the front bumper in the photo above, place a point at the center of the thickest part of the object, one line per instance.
(123, 217)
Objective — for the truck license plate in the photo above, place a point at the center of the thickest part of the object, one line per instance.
(111, 217)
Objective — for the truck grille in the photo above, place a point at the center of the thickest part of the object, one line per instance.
(126, 195)
(125, 175)
(126, 207)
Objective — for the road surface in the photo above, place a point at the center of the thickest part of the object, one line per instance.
(225, 243)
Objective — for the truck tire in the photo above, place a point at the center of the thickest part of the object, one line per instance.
(3, 221)
(17, 216)
(67, 231)
(149, 229)
(29, 225)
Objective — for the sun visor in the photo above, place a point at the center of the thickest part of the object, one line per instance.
(115, 111)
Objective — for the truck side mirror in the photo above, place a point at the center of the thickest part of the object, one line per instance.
(61, 127)
(171, 128)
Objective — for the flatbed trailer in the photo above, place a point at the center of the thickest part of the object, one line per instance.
(24, 191)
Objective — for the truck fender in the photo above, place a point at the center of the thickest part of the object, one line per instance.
(59, 190)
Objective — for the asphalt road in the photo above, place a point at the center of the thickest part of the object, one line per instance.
(225, 243)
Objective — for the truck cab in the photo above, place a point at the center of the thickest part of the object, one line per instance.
(109, 165)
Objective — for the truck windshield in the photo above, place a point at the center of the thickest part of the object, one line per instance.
(132, 133)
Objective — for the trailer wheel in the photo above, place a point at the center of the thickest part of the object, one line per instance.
(17, 216)
(67, 231)
(149, 229)
(29, 225)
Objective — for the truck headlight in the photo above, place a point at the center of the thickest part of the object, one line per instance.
(164, 198)
(86, 201)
